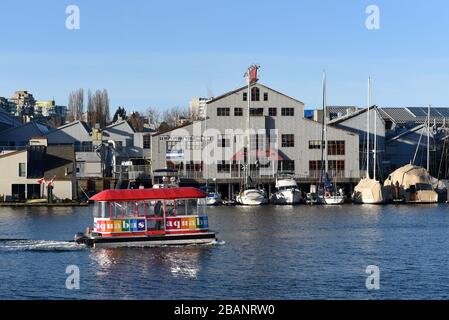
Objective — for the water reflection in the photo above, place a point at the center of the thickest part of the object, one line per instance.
(180, 262)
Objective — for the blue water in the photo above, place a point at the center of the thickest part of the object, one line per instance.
(265, 252)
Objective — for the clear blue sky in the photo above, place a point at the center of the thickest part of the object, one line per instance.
(162, 53)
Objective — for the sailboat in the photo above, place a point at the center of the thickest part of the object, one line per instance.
(328, 192)
(411, 183)
(369, 191)
(249, 193)
(213, 197)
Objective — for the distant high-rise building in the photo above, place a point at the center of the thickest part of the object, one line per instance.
(45, 108)
(7, 105)
(24, 102)
(197, 107)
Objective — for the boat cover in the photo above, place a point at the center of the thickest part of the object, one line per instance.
(368, 190)
(407, 176)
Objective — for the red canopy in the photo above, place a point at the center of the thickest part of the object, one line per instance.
(149, 194)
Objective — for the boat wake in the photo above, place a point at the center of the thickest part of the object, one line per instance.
(38, 245)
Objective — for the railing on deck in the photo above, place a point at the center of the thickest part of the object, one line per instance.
(131, 172)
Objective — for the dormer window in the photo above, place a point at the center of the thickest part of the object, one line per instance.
(255, 94)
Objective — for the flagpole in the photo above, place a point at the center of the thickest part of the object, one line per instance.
(248, 149)
(368, 130)
(428, 139)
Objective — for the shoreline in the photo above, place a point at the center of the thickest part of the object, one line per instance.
(23, 204)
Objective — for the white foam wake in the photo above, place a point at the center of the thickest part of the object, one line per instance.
(39, 245)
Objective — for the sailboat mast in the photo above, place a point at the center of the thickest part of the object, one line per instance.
(206, 143)
(428, 139)
(248, 139)
(321, 167)
(326, 167)
(368, 129)
(375, 142)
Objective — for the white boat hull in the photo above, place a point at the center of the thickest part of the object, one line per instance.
(291, 196)
(251, 197)
(368, 201)
(214, 200)
(331, 200)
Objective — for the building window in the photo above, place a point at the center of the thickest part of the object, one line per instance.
(316, 165)
(315, 144)
(147, 142)
(336, 148)
(286, 165)
(256, 112)
(223, 167)
(238, 112)
(288, 112)
(22, 169)
(223, 141)
(245, 96)
(337, 167)
(255, 94)
(223, 112)
(265, 96)
(288, 140)
(272, 112)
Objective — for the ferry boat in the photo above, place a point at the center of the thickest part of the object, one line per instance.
(148, 217)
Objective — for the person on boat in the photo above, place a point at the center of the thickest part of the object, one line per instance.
(158, 212)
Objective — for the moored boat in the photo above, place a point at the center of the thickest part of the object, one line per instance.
(213, 197)
(369, 191)
(410, 184)
(287, 192)
(148, 217)
(251, 196)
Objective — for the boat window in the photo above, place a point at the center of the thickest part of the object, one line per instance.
(170, 208)
(192, 206)
(201, 208)
(122, 209)
(181, 208)
(149, 208)
(100, 209)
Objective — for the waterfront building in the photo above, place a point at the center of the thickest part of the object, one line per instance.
(356, 121)
(282, 139)
(105, 157)
(131, 150)
(35, 161)
(403, 138)
(79, 134)
(18, 136)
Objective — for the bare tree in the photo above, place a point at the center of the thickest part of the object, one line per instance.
(91, 115)
(174, 114)
(154, 116)
(76, 104)
(137, 121)
(98, 108)
(105, 107)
